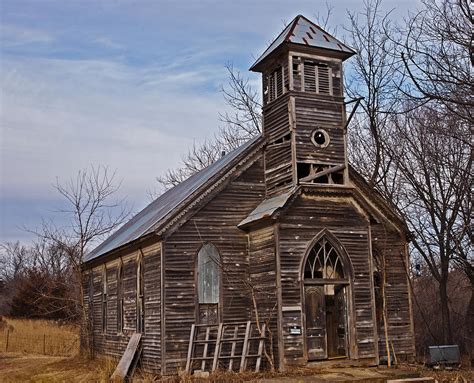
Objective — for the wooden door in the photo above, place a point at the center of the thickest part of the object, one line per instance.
(315, 312)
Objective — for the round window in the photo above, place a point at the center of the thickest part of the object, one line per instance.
(320, 138)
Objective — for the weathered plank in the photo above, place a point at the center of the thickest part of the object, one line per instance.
(123, 367)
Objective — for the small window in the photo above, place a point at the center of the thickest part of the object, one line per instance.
(120, 298)
(320, 138)
(208, 277)
(104, 300)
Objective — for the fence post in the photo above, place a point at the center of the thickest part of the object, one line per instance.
(8, 336)
(44, 344)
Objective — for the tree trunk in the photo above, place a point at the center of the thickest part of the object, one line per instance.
(445, 317)
(469, 323)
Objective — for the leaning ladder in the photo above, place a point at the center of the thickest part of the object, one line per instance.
(227, 346)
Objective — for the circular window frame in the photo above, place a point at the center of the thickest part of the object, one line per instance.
(326, 138)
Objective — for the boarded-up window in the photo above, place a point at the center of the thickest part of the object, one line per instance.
(120, 298)
(208, 276)
(140, 297)
(104, 300)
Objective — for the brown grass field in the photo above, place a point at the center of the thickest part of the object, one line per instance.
(38, 337)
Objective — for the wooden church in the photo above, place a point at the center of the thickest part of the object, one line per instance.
(281, 228)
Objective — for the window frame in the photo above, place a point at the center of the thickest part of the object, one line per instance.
(206, 305)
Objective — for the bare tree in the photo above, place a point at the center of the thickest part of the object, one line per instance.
(240, 125)
(434, 172)
(437, 53)
(92, 212)
(375, 77)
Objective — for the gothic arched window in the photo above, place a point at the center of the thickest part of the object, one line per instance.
(208, 283)
(324, 262)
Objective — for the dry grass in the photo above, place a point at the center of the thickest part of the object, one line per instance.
(16, 368)
(33, 336)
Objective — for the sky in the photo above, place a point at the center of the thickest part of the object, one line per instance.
(125, 84)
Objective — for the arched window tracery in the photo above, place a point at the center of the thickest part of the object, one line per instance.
(324, 262)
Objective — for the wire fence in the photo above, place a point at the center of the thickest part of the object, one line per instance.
(45, 344)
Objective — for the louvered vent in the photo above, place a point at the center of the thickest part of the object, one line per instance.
(309, 77)
(275, 84)
(317, 78)
(323, 80)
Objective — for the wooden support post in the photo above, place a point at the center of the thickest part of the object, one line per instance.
(218, 347)
(245, 347)
(190, 349)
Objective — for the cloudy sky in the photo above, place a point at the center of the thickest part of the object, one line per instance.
(127, 84)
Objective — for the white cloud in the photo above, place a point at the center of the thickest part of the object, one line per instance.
(13, 36)
(58, 116)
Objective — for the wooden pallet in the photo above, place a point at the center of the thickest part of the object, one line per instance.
(227, 345)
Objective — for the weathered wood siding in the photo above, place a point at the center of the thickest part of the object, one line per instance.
(400, 331)
(308, 215)
(214, 223)
(113, 342)
(313, 112)
(262, 270)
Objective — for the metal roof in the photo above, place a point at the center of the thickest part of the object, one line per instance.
(267, 208)
(157, 212)
(304, 32)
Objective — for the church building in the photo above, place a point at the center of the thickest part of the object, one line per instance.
(282, 228)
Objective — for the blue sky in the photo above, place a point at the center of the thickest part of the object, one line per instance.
(127, 84)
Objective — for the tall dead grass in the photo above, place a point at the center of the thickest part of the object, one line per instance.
(36, 336)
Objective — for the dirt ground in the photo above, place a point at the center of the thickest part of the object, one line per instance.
(16, 367)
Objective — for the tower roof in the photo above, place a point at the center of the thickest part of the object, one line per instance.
(304, 32)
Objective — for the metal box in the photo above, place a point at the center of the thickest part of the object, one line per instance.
(448, 354)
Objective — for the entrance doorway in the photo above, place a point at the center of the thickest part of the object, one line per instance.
(325, 298)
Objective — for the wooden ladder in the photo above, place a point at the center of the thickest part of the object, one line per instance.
(214, 338)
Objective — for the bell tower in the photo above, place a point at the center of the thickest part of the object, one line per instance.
(303, 108)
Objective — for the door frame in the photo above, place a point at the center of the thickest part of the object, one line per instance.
(349, 282)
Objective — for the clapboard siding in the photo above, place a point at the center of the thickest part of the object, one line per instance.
(263, 280)
(113, 342)
(308, 216)
(400, 331)
(313, 113)
(215, 223)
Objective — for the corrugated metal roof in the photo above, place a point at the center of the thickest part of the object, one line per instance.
(267, 208)
(304, 32)
(157, 212)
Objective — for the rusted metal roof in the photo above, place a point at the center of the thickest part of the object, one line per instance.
(266, 208)
(161, 209)
(304, 32)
